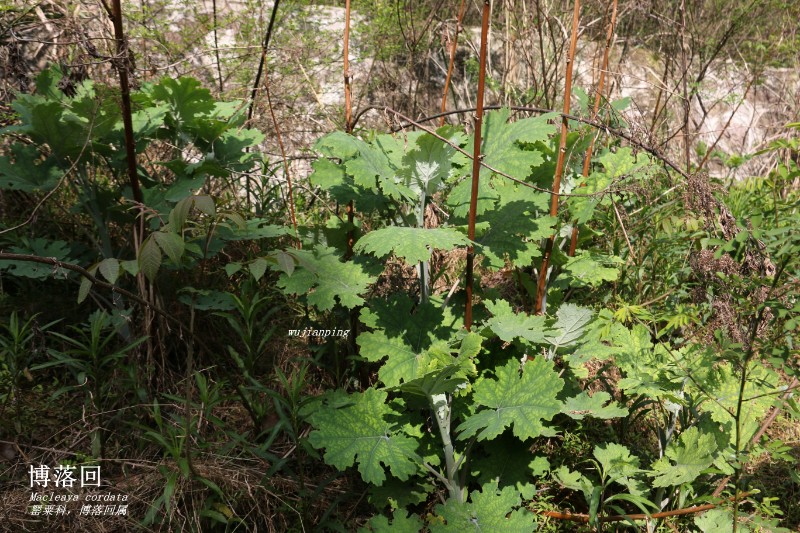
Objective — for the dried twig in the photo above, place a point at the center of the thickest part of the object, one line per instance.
(451, 64)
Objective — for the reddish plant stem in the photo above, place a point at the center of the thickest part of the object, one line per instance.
(476, 164)
(121, 64)
(451, 64)
(597, 99)
(350, 209)
(562, 151)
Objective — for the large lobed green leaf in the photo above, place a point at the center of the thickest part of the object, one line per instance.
(598, 405)
(490, 510)
(504, 143)
(508, 148)
(512, 233)
(26, 172)
(619, 165)
(508, 325)
(409, 336)
(589, 268)
(364, 429)
(326, 279)
(685, 460)
(524, 400)
(401, 522)
(412, 244)
(429, 162)
(570, 325)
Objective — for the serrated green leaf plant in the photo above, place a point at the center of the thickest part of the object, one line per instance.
(443, 397)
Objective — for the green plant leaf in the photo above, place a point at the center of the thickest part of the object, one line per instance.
(149, 258)
(44, 121)
(522, 400)
(26, 172)
(401, 522)
(333, 178)
(441, 381)
(363, 428)
(397, 494)
(255, 228)
(570, 325)
(714, 521)
(587, 268)
(490, 509)
(285, 262)
(109, 268)
(573, 481)
(617, 165)
(130, 266)
(233, 268)
(648, 371)
(257, 267)
(43, 248)
(430, 162)
(86, 285)
(507, 462)
(326, 279)
(403, 337)
(170, 243)
(721, 387)
(402, 362)
(368, 164)
(187, 98)
(412, 244)
(510, 232)
(583, 405)
(616, 460)
(504, 143)
(204, 204)
(509, 325)
(205, 299)
(460, 196)
(686, 460)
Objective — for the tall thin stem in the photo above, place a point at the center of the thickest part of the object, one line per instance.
(451, 64)
(262, 61)
(597, 99)
(541, 288)
(348, 118)
(121, 64)
(216, 47)
(279, 138)
(254, 90)
(476, 163)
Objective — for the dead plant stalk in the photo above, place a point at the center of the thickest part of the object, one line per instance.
(348, 117)
(451, 64)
